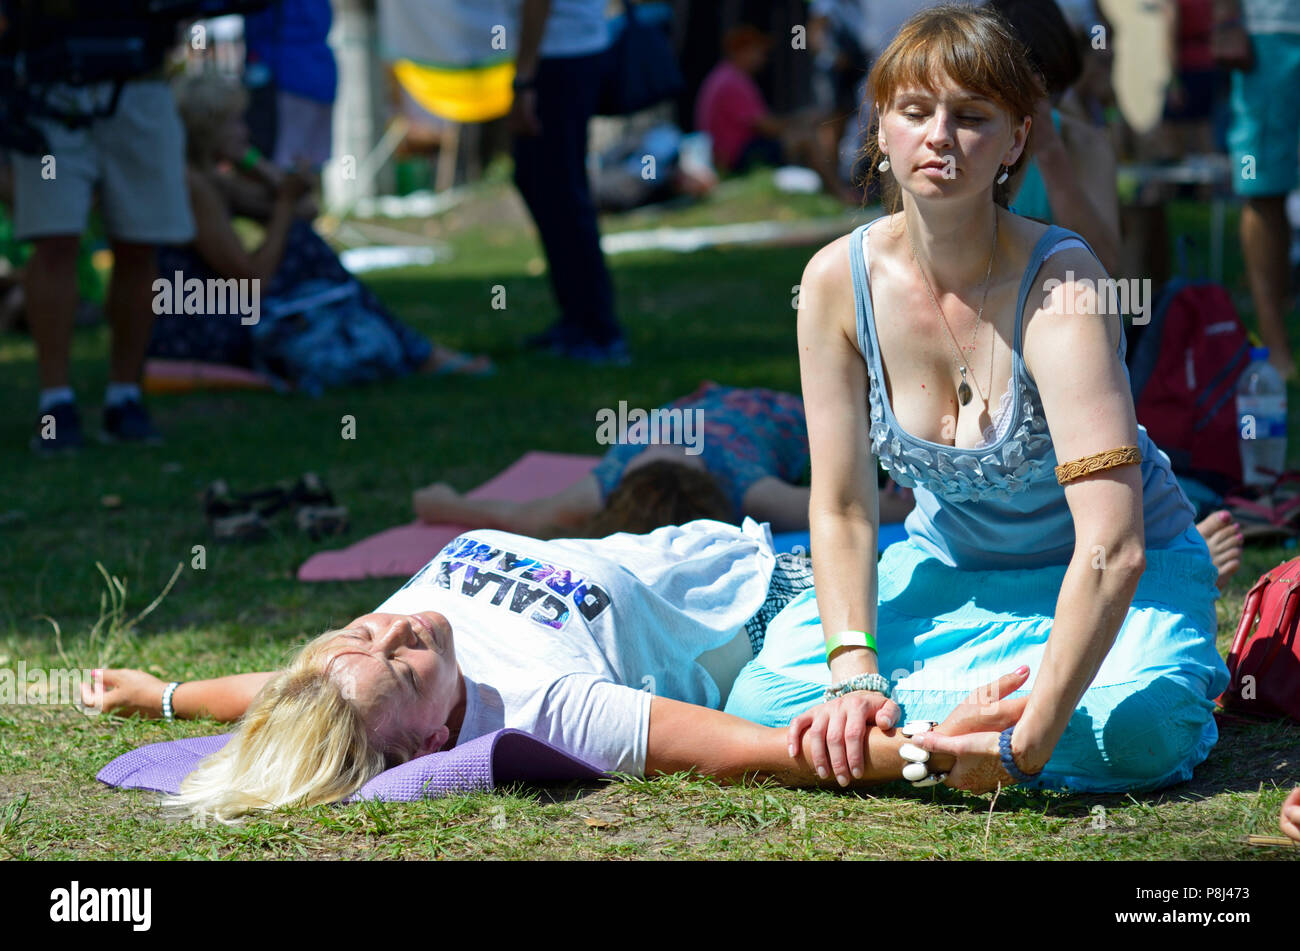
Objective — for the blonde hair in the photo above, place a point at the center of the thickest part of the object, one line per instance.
(978, 50)
(301, 742)
(205, 102)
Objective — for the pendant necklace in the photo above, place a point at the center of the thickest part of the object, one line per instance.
(963, 390)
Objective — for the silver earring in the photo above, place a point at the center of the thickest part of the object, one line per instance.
(1005, 173)
(884, 165)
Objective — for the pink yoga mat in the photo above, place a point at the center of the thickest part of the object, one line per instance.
(406, 549)
(184, 376)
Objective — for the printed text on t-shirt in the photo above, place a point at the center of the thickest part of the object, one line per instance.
(472, 568)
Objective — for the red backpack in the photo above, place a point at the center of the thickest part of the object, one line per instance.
(1264, 661)
(1184, 369)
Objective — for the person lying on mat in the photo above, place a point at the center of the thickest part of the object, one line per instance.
(1049, 530)
(226, 178)
(753, 453)
(742, 452)
(619, 650)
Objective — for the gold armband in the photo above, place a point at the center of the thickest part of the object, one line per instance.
(1067, 472)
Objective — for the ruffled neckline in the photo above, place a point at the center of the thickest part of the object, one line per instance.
(998, 421)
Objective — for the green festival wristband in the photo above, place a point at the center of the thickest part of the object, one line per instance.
(849, 639)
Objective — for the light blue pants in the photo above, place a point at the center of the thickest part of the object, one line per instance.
(1146, 721)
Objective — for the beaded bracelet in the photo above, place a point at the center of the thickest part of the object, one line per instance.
(873, 682)
(167, 711)
(916, 771)
(1008, 760)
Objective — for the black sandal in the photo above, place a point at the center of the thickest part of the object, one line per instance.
(234, 517)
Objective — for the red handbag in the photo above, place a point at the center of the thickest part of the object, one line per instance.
(1264, 662)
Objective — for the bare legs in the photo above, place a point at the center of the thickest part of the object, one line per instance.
(1264, 243)
(441, 504)
(130, 309)
(52, 305)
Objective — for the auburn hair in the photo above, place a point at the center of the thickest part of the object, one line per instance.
(972, 46)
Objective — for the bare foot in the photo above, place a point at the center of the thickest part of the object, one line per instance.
(1289, 818)
(445, 360)
(433, 502)
(1223, 536)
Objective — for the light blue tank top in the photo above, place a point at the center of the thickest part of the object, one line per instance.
(999, 506)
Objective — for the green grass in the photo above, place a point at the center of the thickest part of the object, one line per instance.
(720, 314)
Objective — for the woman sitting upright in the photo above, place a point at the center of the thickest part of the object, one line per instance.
(963, 347)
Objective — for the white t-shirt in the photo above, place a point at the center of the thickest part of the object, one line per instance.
(568, 639)
(575, 28)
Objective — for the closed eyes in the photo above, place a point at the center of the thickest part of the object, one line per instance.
(411, 677)
(917, 116)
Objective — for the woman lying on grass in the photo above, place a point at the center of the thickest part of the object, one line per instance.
(619, 650)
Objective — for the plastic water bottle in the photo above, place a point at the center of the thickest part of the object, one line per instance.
(1261, 419)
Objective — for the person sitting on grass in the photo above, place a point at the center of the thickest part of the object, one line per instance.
(752, 453)
(619, 651)
(944, 342)
(731, 109)
(225, 178)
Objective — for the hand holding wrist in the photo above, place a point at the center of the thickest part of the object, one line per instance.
(1035, 740)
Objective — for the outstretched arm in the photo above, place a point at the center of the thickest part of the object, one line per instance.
(134, 691)
(684, 736)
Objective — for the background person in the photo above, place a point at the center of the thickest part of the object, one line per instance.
(1264, 143)
(730, 107)
(753, 455)
(293, 78)
(1069, 177)
(561, 67)
(291, 256)
(133, 161)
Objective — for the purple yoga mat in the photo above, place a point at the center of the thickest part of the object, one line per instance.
(483, 763)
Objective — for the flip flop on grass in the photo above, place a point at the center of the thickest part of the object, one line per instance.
(1258, 517)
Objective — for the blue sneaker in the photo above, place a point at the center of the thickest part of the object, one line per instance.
(128, 422)
(58, 429)
(553, 339)
(614, 353)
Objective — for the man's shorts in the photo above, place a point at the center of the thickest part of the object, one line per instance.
(135, 157)
(303, 130)
(1264, 133)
